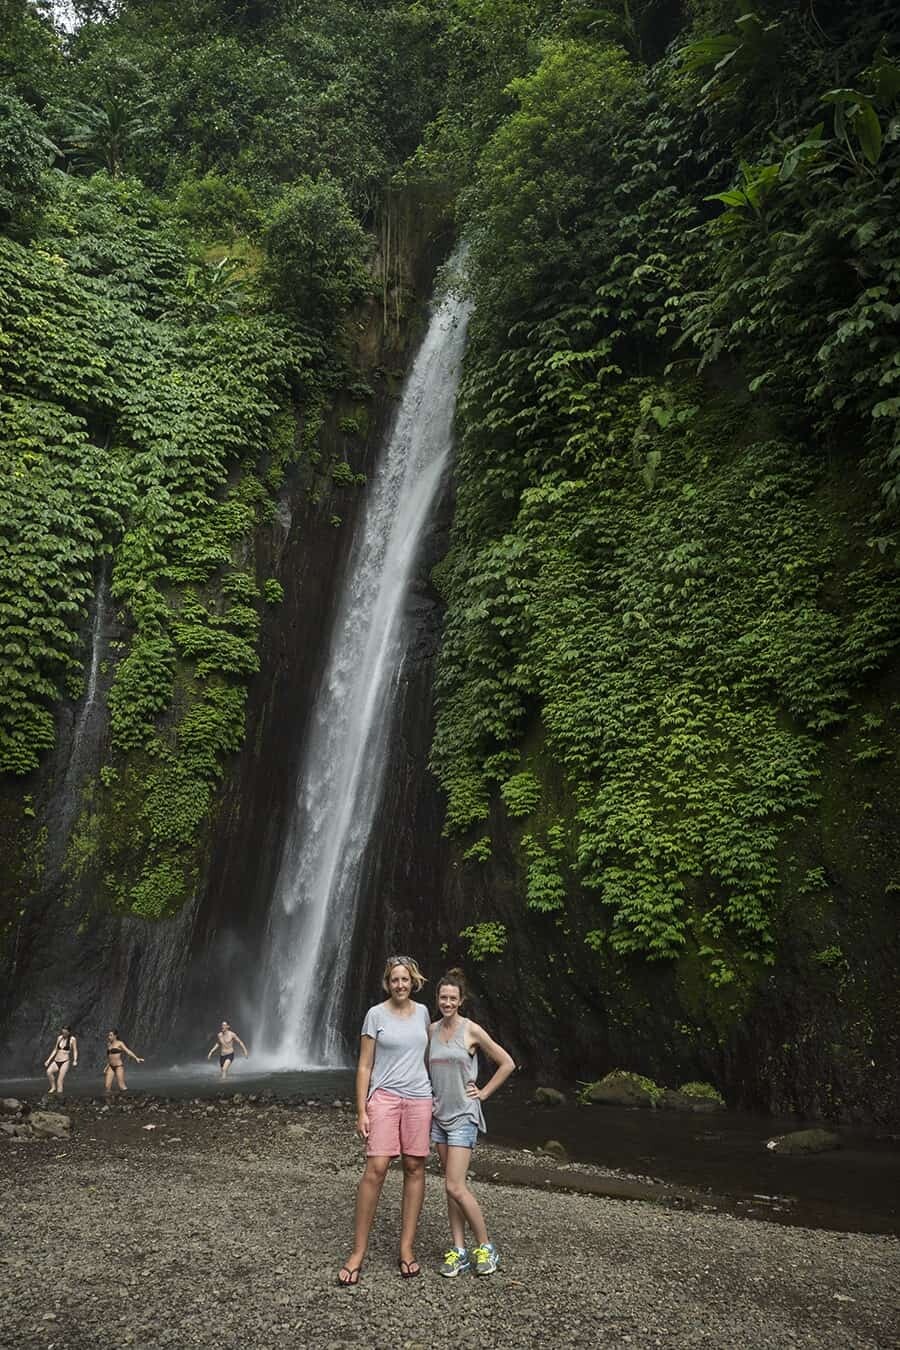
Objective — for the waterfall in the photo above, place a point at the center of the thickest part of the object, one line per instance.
(314, 903)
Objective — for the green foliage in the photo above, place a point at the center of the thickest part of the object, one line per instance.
(637, 561)
(138, 429)
(315, 253)
(703, 1091)
(521, 794)
(25, 156)
(484, 940)
(102, 135)
(273, 591)
(344, 476)
(216, 207)
(480, 851)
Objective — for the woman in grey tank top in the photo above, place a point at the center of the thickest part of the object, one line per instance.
(458, 1117)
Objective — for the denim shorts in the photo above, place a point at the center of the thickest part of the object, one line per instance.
(459, 1136)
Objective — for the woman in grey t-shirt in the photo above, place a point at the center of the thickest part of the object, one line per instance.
(393, 1110)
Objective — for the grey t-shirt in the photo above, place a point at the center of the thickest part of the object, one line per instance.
(400, 1045)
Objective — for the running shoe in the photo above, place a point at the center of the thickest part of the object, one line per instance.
(486, 1258)
(455, 1262)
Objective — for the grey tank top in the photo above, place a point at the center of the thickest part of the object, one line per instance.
(452, 1067)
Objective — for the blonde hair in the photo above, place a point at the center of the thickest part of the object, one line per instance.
(457, 980)
(415, 974)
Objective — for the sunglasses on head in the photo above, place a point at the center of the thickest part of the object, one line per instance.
(398, 961)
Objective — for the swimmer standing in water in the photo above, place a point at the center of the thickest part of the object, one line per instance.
(116, 1050)
(224, 1043)
(63, 1054)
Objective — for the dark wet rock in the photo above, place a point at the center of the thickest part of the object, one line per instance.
(621, 1088)
(805, 1141)
(670, 1100)
(7, 1127)
(50, 1124)
(549, 1096)
(556, 1150)
(11, 1106)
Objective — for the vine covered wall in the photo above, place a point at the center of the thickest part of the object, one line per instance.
(668, 682)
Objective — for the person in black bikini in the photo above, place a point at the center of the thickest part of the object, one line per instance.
(224, 1043)
(64, 1053)
(116, 1050)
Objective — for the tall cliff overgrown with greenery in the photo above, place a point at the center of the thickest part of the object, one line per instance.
(669, 672)
(188, 202)
(668, 680)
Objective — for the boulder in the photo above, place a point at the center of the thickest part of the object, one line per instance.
(670, 1100)
(704, 1092)
(548, 1096)
(50, 1124)
(7, 1127)
(11, 1106)
(804, 1141)
(556, 1150)
(621, 1088)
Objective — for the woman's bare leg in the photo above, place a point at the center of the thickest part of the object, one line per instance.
(51, 1075)
(455, 1168)
(108, 1079)
(61, 1077)
(368, 1193)
(454, 1213)
(120, 1077)
(411, 1206)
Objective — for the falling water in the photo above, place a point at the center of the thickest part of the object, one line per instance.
(339, 786)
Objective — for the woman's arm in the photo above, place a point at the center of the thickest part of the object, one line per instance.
(50, 1056)
(122, 1046)
(504, 1061)
(363, 1079)
(73, 1046)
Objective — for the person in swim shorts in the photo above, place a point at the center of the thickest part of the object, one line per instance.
(458, 1118)
(63, 1055)
(224, 1043)
(393, 1111)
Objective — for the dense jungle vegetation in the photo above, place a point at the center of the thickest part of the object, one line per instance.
(672, 581)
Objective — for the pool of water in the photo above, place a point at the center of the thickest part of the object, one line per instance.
(856, 1188)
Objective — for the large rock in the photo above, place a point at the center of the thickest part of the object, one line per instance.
(621, 1088)
(7, 1127)
(556, 1150)
(805, 1141)
(670, 1100)
(50, 1124)
(548, 1096)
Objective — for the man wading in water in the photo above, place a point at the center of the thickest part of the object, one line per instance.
(224, 1043)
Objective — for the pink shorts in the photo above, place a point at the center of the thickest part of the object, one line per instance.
(398, 1125)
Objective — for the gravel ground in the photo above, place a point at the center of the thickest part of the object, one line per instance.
(225, 1226)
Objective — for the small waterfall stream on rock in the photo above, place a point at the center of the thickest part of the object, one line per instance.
(341, 775)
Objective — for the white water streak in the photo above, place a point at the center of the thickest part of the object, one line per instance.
(313, 910)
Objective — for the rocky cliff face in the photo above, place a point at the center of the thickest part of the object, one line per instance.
(817, 1035)
(62, 959)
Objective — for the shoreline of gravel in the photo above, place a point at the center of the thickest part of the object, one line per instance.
(199, 1223)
